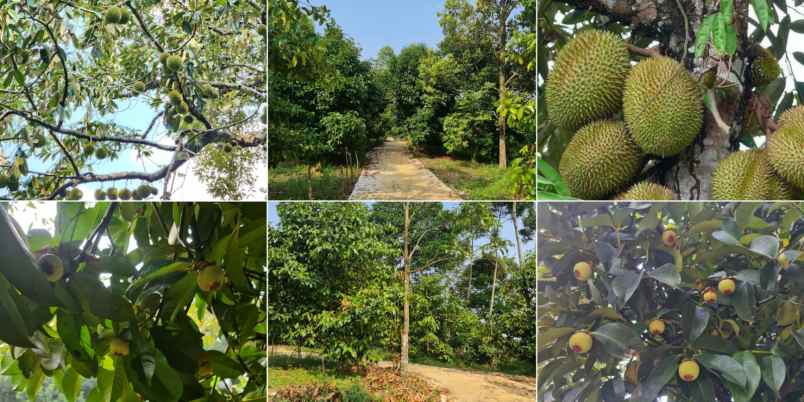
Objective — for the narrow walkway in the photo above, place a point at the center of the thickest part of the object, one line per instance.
(476, 386)
(393, 174)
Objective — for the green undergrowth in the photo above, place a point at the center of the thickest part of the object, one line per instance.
(473, 180)
(289, 182)
(286, 370)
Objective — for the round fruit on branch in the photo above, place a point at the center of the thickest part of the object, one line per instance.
(52, 266)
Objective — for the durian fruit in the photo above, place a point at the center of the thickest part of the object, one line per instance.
(744, 175)
(139, 86)
(765, 68)
(4, 179)
(586, 82)
(261, 29)
(662, 106)
(600, 159)
(125, 17)
(786, 147)
(100, 195)
(75, 194)
(111, 193)
(163, 57)
(101, 153)
(173, 63)
(175, 97)
(646, 190)
(112, 16)
(182, 107)
(124, 194)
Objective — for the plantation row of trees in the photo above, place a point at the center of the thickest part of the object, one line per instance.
(472, 97)
(426, 280)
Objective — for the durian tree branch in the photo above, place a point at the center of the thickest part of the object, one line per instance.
(74, 133)
(650, 52)
(141, 23)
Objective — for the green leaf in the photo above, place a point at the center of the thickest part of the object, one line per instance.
(773, 371)
(797, 26)
(660, 375)
(744, 301)
(752, 371)
(178, 266)
(729, 368)
(703, 34)
(616, 338)
(233, 264)
(700, 320)
(70, 384)
(725, 237)
(666, 274)
(625, 284)
(763, 13)
(767, 246)
(799, 56)
(223, 366)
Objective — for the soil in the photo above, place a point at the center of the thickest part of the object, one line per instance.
(393, 174)
(477, 386)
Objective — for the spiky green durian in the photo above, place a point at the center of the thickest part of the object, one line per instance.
(662, 106)
(173, 63)
(765, 68)
(124, 194)
(75, 194)
(124, 15)
(586, 82)
(175, 97)
(101, 153)
(111, 193)
(786, 147)
(646, 190)
(600, 159)
(100, 195)
(112, 15)
(139, 86)
(744, 175)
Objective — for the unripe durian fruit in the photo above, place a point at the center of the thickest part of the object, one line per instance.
(112, 15)
(600, 159)
(662, 106)
(765, 68)
(143, 191)
(175, 97)
(75, 194)
(744, 175)
(125, 17)
(124, 194)
(163, 57)
(182, 107)
(261, 30)
(100, 195)
(586, 82)
(173, 63)
(139, 86)
(646, 190)
(786, 147)
(111, 193)
(101, 153)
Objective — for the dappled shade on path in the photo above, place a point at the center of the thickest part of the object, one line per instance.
(393, 174)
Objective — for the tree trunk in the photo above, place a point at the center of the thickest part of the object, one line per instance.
(516, 235)
(493, 289)
(469, 285)
(403, 359)
(502, 122)
(309, 182)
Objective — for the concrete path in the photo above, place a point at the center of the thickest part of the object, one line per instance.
(393, 174)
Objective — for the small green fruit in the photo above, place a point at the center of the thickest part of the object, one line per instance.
(75, 194)
(124, 194)
(211, 278)
(261, 30)
(52, 266)
(113, 16)
(125, 17)
(139, 86)
(111, 193)
(173, 63)
(101, 153)
(100, 195)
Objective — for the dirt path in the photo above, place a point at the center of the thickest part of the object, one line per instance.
(477, 386)
(393, 174)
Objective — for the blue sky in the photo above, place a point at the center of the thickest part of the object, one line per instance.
(374, 24)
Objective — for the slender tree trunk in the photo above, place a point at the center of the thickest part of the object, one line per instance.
(403, 359)
(516, 235)
(493, 290)
(309, 182)
(469, 285)
(502, 122)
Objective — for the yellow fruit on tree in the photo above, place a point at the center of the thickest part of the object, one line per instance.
(118, 347)
(669, 238)
(580, 342)
(52, 266)
(582, 270)
(656, 327)
(783, 261)
(211, 278)
(689, 370)
(204, 366)
(709, 295)
(726, 286)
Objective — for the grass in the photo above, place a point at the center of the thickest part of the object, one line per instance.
(473, 180)
(289, 182)
(287, 370)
